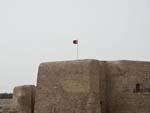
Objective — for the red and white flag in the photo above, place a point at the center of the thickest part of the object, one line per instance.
(75, 41)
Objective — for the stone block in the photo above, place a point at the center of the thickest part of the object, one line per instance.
(23, 98)
(68, 87)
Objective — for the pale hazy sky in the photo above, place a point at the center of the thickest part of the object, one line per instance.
(35, 31)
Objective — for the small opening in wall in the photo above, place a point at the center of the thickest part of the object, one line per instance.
(101, 102)
(148, 89)
(137, 89)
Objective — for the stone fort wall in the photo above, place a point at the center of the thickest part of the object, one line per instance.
(121, 86)
(22, 102)
(68, 87)
(128, 87)
(87, 86)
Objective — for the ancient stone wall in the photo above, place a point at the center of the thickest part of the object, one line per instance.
(70, 87)
(85, 86)
(5, 104)
(128, 87)
(23, 98)
(22, 101)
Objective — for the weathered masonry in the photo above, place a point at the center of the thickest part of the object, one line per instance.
(92, 86)
(69, 87)
(87, 86)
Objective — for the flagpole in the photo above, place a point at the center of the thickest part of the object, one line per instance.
(77, 48)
